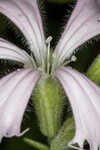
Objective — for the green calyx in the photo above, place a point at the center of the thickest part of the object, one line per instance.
(49, 99)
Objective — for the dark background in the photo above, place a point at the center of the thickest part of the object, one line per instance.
(55, 17)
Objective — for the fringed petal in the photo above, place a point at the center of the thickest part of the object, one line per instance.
(82, 26)
(15, 91)
(12, 52)
(84, 97)
(25, 14)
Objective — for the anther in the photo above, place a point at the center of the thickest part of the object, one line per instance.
(49, 39)
(73, 58)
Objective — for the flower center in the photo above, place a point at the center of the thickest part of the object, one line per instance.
(48, 65)
(45, 67)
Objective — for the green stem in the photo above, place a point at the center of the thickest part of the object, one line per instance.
(36, 144)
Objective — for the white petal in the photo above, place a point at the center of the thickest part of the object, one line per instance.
(83, 25)
(12, 52)
(25, 14)
(15, 91)
(84, 97)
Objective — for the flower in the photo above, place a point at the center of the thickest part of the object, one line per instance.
(16, 88)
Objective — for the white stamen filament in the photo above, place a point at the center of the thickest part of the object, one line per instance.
(56, 65)
(49, 39)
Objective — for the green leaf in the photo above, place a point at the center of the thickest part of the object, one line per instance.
(94, 71)
(66, 133)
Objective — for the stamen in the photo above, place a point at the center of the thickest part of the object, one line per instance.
(49, 39)
(33, 61)
(73, 59)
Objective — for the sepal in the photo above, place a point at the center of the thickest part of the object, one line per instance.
(49, 102)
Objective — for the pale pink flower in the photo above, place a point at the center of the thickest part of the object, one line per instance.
(16, 88)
